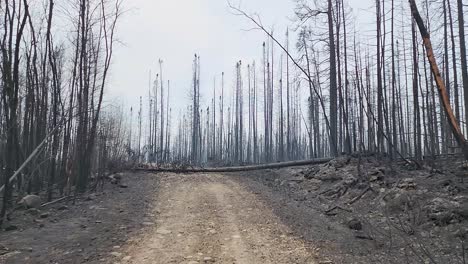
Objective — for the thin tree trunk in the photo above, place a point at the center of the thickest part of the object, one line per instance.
(439, 81)
(464, 64)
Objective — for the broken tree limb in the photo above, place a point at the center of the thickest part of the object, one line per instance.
(55, 201)
(452, 120)
(328, 211)
(355, 199)
(32, 155)
(241, 168)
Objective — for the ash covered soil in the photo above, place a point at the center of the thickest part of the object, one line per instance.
(350, 210)
(362, 210)
(91, 230)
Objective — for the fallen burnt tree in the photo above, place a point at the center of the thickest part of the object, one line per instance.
(237, 168)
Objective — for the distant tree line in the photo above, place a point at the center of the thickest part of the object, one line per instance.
(373, 92)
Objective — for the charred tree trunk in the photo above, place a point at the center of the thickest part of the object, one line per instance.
(439, 81)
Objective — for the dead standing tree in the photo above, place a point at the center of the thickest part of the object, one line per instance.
(453, 122)
(464, 63)
(196, 135)
(314, 90)
(40, 152)
(14, 19)
(96, 39)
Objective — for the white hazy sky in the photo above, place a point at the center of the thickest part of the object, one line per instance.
(174, 30)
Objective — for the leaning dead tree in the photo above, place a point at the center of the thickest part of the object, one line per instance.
(454, 124)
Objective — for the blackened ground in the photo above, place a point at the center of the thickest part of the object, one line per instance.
(84, 232)
(345, 211)
(380, 213)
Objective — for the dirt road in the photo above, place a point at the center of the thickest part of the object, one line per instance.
(211, 219)
(268, 216)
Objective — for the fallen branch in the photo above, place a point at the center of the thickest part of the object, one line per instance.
(338, 207)
(55, 201)
(240, 168)
(355, 199)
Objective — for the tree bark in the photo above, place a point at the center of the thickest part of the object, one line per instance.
(464, 64)
(439, 80)
(241, 168)
(333, 83)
